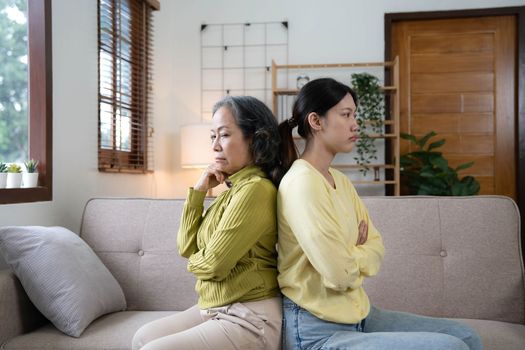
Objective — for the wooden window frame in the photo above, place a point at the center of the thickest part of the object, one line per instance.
(40, 110)
(136, 159)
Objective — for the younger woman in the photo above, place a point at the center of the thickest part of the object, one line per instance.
(328, 244)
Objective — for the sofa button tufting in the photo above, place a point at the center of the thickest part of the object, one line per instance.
(140, 252)
(443, 253)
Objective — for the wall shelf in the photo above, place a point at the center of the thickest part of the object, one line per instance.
(391, 135)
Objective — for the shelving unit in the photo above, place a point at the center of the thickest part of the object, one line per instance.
(391, 122)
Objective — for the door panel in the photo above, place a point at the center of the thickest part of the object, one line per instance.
(453, 62)
(460, 43)
(457, 77)
(452, 82)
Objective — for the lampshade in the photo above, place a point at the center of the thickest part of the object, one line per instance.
(195, 147)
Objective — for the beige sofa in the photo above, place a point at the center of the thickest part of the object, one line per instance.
(449, 257)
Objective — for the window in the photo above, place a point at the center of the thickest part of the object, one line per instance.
(125, 79)
(31, 100)
(13, 81)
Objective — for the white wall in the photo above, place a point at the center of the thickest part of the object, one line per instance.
(319, 31)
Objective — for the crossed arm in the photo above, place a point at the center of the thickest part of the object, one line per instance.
(311, 217)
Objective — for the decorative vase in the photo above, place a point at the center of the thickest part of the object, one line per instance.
(14, 180)
(29, 180)
(3, 180)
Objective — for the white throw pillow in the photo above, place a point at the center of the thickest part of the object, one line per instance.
(62, 275)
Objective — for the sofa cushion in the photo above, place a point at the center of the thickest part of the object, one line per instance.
(115, 331)
(110, 332)
(61, 275)
(499, 335)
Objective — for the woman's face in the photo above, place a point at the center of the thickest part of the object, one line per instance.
(231, 150)
(339, 127)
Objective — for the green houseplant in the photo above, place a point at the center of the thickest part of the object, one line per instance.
(3, 175)
(370, 116)
(427, 172)
(30, 178)
(31, 165)
(14, 168)
(14, 176)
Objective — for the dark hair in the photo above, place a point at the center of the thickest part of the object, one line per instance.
(317, 96)
(257, 124)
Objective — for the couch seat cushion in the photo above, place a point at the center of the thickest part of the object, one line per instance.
(112, 332)
(498, 335)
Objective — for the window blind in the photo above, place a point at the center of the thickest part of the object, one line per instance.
(125, 123)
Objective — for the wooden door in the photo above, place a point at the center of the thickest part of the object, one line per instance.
(457, 77)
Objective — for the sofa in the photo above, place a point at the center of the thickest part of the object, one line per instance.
(455, 257)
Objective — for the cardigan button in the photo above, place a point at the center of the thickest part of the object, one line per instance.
(443, 253)
(140, 252)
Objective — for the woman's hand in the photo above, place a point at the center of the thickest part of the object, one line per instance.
(210, 178)
(363, 233)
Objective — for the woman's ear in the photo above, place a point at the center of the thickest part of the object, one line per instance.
(314, 121)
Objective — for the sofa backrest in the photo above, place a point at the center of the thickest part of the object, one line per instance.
(445, 256)
(454, 257)
(137, 240)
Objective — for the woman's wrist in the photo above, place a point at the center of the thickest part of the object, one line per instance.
(201, 184)
(200, 188)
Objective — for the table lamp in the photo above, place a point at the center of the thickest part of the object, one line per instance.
(196, 152)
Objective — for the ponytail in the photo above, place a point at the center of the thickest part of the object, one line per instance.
(288, 148)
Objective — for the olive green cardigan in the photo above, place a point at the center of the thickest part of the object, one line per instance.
(231, 247)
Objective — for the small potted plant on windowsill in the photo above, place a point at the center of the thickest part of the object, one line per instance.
(30, 178)
(14, 176)
(3, 175)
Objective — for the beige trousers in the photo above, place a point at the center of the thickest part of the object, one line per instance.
(250, 325)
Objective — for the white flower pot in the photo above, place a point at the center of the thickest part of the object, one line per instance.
(29, 180)
(3, 180)
(14, 180)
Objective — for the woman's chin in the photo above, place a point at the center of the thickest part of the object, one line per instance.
(347, 149)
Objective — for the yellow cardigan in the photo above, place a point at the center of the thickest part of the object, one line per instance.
(231, 247)
(320, 267)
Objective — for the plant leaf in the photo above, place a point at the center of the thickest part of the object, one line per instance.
(436, 144)
(440, 163)
(408, 137)
(464, 166)
(425, 138)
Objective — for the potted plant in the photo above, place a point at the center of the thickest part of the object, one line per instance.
(3, 175)
(14, 176)
(426, 171)
(370, 117)
(30, 178)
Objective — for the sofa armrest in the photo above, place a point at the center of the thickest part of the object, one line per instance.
(17, 314)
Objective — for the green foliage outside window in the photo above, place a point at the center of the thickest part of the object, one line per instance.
(13, 81)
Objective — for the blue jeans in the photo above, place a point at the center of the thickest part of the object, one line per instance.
(381, 329)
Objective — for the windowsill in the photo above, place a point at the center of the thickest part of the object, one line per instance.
(25, 195)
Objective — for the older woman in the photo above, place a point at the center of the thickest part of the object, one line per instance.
(231, 246)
